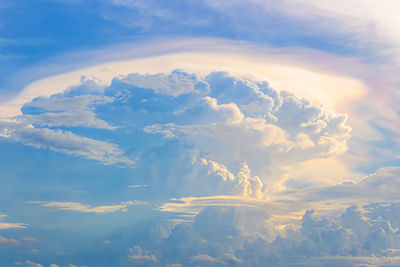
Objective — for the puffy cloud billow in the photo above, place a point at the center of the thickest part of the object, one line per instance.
(224, 118)
(221, 236)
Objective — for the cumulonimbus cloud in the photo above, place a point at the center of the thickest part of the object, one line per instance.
(229, 118)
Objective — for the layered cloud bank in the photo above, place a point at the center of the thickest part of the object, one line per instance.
(219, 236)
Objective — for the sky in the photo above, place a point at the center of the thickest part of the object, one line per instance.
(199, 133)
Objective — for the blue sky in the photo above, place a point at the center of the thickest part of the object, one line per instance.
(199, 133)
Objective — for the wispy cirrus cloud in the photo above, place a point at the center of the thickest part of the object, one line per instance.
(76, 206)
(6, 225)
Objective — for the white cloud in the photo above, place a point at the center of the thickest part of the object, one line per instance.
(4, 225)
(138, 255)
(76, 206)
(137, 185)
(64, 142)
(331, 82)
(358, 22)
(34, 264)
(40, 124)
(233, 235)
(8, 241)
(71, 111)
(204, 259)
(279, 129)
(199, 176)
(227, 118)
(176, 83)
(287, 206)
(383, 185)
(224, 140)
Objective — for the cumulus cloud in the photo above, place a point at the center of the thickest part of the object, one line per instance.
(253, 122)
(174, 84)
(65, 111)
(196, 175)
(219, 236)
(140, 256)
(381, 186)
(364, 234)
(360, 234)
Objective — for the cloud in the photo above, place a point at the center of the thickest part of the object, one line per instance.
(226, 142)
(336, 22)
(7, 241)
(340, 83)
(227, 118)
(64, 142)
(383, 185)
(40, 124)
(277, 127)
(5, 226)
(205, 259)
(287, 206)
(197, 176)
(225, 148)
(357, 235)
(76, 206)
(223, 235)
(174, 84)
(347, 18)
(68, 111)
(137, 185)
(34, 264)
(333, 79)
(138, 255)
